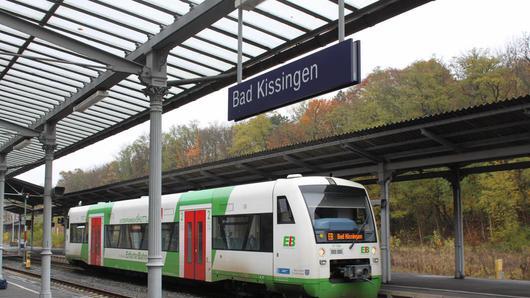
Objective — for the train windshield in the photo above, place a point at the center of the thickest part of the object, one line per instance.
(339, 213)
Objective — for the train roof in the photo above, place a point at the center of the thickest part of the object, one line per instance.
(211, 192)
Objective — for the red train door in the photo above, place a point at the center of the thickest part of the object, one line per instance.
(95, 241)
(195, 244)
(200, 241)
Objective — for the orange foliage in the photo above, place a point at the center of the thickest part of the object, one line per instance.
(193, 154)
(286, 134)
(314, 122)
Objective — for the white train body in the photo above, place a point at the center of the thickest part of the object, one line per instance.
(292, 234)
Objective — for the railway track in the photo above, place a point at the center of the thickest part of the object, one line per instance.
(106, 283)
(64, 283)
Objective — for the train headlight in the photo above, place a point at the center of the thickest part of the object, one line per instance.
(374, 250)
(321, 252)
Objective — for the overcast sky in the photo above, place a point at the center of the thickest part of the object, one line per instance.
(442, 29)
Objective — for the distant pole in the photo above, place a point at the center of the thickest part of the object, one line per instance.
(19, 233)
(32, 224)
(239, 44)
(384, 178)
(3, 170)
(459, 228)
(341, 20)
(12, 228)
(25, 228)
(65, 224)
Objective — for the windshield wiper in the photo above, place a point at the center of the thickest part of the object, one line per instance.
(361, 229)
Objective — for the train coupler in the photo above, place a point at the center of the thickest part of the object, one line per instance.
(357, 272)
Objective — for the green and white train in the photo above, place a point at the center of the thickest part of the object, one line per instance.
(315, 235)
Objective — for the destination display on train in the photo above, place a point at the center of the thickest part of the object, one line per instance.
(342, 236)
(327, 70)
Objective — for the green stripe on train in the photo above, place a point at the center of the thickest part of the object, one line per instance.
(171, 264)
(99, 208)
(320, 287)
(218, 197)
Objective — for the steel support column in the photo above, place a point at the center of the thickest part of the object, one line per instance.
(19, 233)
(65, 223)
(156, 88)
(32, 224)
(25, 228)
(12, 229)
(239, 44)
(384, 177)
(3, 170)
(341, 20)
(459, 227)
(48, 145)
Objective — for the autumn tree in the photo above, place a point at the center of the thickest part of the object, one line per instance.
(251, 136)
(496, 205)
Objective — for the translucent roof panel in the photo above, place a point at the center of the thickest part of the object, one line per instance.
(42, 79)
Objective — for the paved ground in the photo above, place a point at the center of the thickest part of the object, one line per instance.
(26, 287)
(131, 285)
(450, 287)
(403, 284)
(13, 250)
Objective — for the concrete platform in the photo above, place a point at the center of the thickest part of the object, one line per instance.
(414, 285)
(13, 250)
(20, 286)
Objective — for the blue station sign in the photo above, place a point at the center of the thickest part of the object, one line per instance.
(330, 69)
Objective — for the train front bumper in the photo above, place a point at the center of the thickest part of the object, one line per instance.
(354, 289)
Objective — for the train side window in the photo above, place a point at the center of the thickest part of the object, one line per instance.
(85, 236)
(77, 233)
(189, 247)
(266, 232)
(219, 233)
(135, 233)
(112, 236)
(125, 241)
(252, 242)
(199, 240)
(166, 235)
(252, 232)
(145, 236)
(174, 244)
(170, 236)
(285, 215)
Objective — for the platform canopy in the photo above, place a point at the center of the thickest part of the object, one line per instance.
(421, 148)
(48, 64)
(17, 191)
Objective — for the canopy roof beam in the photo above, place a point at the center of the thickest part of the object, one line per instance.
(27, 132)
(302, 163)
(216, 177)
(441, 140)
(183, 28)
(346, 5)
(30, 38)
(183, 182)
(359, 151)
(254, 170)
(115, 62)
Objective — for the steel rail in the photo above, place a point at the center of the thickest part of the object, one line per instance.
(69, 284)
